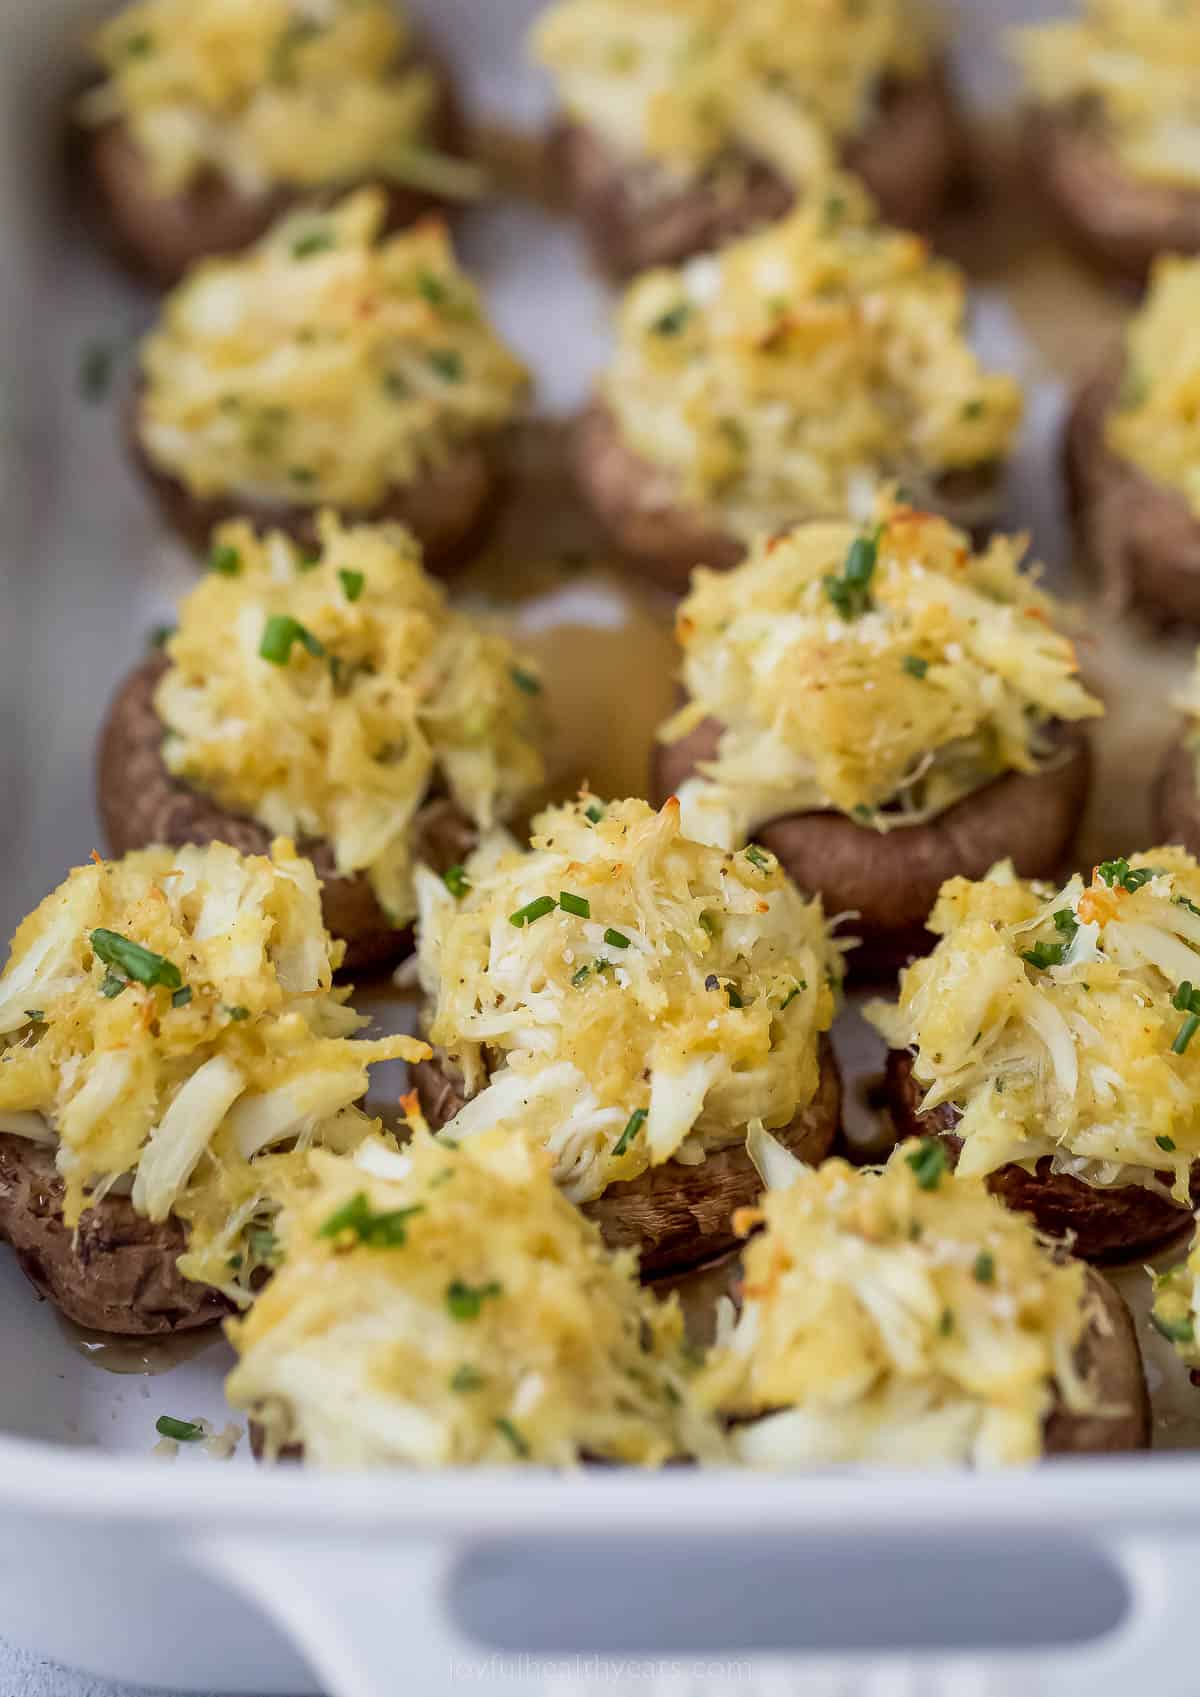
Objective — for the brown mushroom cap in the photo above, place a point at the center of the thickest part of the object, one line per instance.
(116, 1271)
(641, 507)
(448, 509)
(1143, 535)
(676, 1216)
(162, 236)
(140, 802)
(1111, 1225)
(1117, 220)
(1175, 801)
(891, 880)
(1110, 1357)
(909, 156)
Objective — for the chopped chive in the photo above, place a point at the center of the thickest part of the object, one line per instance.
(578, 905)
(264, 1245)
(633, 1125)
(1182, 901)
(387, 1230)
(503, 1424)
(1043, 955)
(448, 363)
(225, 559)
(315, 241)
(1166, 1143)
(580, 973)
(182, 997)
(928, 1162)
(456, 881)
(131, 960)
(280, 634)
(35, 1015)
(113, 985)
(465, 1301)
(236, 1013)
(850, 592)
(536, 909)
(915, 666)
(594, 812)
(352, 584)
(1175, 1331)
(1186, 1032)
(985, 1267)
(525, 681)
(671, 322)
(183, 1431)
(616, 939)
(757, 857)
(466, 1378)
(800, 984)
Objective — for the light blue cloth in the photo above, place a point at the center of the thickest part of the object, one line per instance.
(23, 1675)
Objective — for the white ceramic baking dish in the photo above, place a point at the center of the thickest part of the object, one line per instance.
(1079, 1578)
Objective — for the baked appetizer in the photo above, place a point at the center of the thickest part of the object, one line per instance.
(329, 366)
(942, 1327)
(167, 1032)
(1048, 1040)
(688, 122)
(330, 694)
(1132, 454)
(789, 378)
(634, 1000)
(208, 118)
(881, 709)
(1112, 125)
(448, 1306)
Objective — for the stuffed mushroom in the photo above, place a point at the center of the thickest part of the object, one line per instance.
(634, 1000)
(1132, 454)
(789, 378)
(209, 118)
(330, 694)
(880, 709)
(1176, 797)
(943, 1328)
(168, 1032)
(328, 366)
(687, 124)
(1111, 129)
(449, 1307)
(1048, 1041)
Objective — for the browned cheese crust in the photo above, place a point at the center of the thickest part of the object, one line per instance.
(909, 156)
(1114, 1225)
(1110, 1357)
(891, 880)
(675, 1216)
(161, 236)
(649, 520)
(1118, 221)
(1142, 535)
(141, 803)
(1175, 800)
(116, 1272)
(449, 509)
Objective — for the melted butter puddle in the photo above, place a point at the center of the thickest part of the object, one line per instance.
(145, 1356)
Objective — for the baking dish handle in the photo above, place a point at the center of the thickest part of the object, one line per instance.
(373, 1619)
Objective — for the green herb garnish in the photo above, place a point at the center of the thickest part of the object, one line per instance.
(236, 1013)
(928, 1162)
(1187, 1000)
(633, 1125)
(388, 1230)
(128, 959)
(514, 1437)
(315, 241)
(536, 909)
(594, 812)
(182, 997)
(465, 1301)
(800, 984)
(183, 1431)
(280, 635)
(264, 1245)
(1043, 955)
(985, 1267)
(616, 939)
(525, 681)
(915, 666)
(352, 584)
(578, 905)
(225, 559)
(448, 363)
(36, 1016)
(580, 973)
(113, 985)
(466, 1378)
(1175, 1331)
(456, 881)
(1119, 874)
(671, 322)
(758, 858)
(1166, 1143)
(851, 592)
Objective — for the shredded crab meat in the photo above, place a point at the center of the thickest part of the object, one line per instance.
(1085, 1055)
(624, 993)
